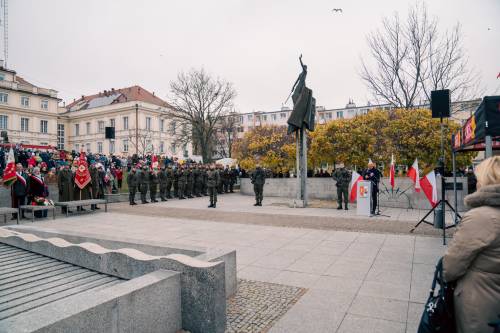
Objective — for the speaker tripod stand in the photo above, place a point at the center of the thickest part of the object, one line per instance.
(442, 203)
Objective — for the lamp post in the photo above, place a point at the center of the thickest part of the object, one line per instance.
(137, 129)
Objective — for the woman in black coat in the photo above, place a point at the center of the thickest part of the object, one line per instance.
(37, 188)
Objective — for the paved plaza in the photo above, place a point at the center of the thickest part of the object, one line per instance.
(353, 281)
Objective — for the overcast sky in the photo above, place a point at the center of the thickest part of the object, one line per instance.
(82, 47)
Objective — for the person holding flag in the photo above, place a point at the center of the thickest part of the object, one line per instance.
(19, 189)
(82, 180)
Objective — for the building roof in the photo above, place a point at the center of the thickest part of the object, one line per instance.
(23, 81)
(115, 96)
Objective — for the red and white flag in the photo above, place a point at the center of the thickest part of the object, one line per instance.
(414, 174)
(82, 175)
(429, 187)
(353, 187)
(9, 174)
(392, 173)
(154, 162)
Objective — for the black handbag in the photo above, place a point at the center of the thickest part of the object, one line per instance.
(439, 312)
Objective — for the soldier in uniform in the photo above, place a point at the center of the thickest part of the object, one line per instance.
(65, 185)
(170, 179)
(153, 184)
(132, 185)
(220, 185)
(162, 177)
(182, 182)
(94, 179)
(213, 178)
(233, 178)
(198, 179)
(258, 179)
(190, 182)
(226, 176)
(175, 181)
(143, 183)
(343, 177)
(204, 171)
(373, 174)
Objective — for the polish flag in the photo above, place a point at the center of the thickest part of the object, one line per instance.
(9, 174)
(429, 186)
(393, 171)
(353, 189)
(414, 174)
(154, 162)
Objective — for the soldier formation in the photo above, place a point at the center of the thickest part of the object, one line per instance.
(181, 182)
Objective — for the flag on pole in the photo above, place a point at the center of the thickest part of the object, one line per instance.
(82, 175)
(393, 171)
(9, 174)
(429, 187)
(414, 174)
(353, 187)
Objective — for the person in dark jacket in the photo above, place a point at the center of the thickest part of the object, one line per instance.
(182, 181)
(233, 178)
(19, 189)
(170, 180)
(343, 177)
(37, 189)
(213, 179)
(373, 174)
(143, 183)
(162, 178)
(65, 185)
(132, 185)
(153, 184)
(258, 179)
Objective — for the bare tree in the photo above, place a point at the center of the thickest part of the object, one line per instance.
(199, 102)
(140, 141)
(411, 58)
(225, 133)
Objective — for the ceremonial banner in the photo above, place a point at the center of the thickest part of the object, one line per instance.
(9, 174)
(82, 176)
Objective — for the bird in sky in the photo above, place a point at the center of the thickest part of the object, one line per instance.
(336, 10)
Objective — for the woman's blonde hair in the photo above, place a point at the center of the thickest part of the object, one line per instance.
(488, 171)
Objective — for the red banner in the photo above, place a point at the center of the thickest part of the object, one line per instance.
(82, 176)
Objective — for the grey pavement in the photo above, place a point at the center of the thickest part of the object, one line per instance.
(357, 282)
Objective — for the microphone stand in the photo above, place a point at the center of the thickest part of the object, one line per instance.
(377, 213)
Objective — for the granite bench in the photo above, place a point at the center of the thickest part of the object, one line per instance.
(8, 210)
(34, 209)
(79, 203)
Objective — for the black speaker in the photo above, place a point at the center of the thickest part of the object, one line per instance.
(440, 103)
(110, 132)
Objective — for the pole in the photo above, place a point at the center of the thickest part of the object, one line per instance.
(303, 156)
(443, 181)
(453, 160)
(137, 129)
(488, 152)
(298, 171)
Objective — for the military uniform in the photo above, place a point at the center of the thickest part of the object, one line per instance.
(204, 173)
(213, 179)
(132, 186)
(220, 185)
(153, 185)
(182, 181)
(65, 185)
(175, 181)
(170, 179)
(162, 177)
(225, 179)
(143, 183)
(233, 178)
(190, 183)
(343, 177)
(258, 179)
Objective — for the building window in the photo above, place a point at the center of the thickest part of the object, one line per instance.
(44, 104)
(24, 124)
(329, 115)
(77, 129)
(173, 148)
(3, 122)
(240, 129)
(240, 119)
(173, 127)
(4, 98)
(99, 147)
(2, 77)
(148, 123)
(44, 125)
(77, 147)
(282, 115)
(88, 128)
(273, 117)
(184, 148)
(100, 126)
(340, 114)
(60, 136)
(250, 117)
(162, 125)
(88, 148)
(162, 147)
(25, 101)
(125, 145)
(125, 123)
(111, 146)
(112, 123)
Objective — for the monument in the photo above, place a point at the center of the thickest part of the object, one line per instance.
(302, 118)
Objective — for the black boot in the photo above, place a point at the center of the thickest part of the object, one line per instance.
(346, 207)
(214, 205)
(339, 207)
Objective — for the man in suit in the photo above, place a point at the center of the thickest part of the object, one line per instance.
(373, 174)
(19, 189)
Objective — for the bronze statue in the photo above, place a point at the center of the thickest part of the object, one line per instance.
(304, 104)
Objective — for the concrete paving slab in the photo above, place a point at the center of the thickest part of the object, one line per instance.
(355, 324)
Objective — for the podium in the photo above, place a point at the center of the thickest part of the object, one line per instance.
(364, 198)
